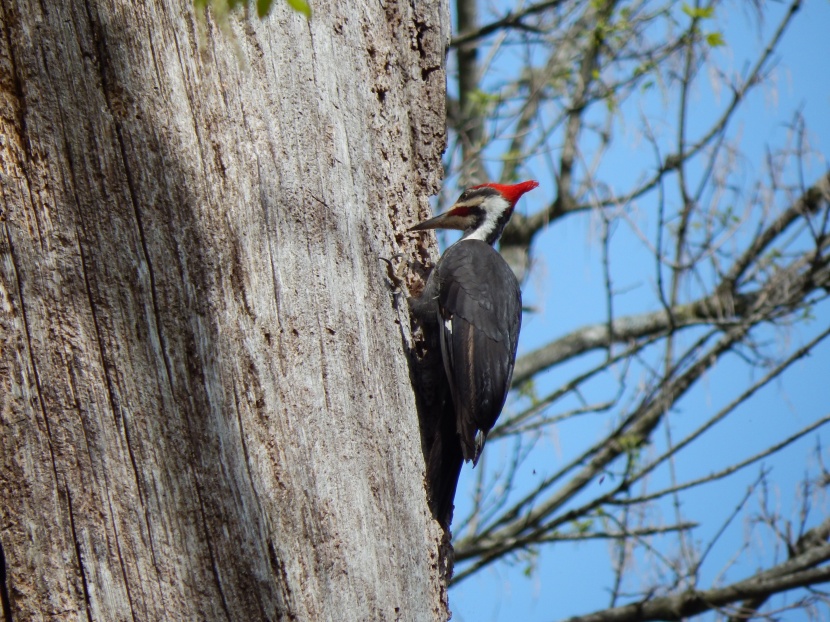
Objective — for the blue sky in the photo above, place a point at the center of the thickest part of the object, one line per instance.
(572, 579)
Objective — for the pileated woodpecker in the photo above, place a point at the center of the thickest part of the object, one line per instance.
(473, 303)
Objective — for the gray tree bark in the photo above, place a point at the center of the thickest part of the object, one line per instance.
(205, 405)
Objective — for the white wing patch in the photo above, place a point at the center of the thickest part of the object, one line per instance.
(448, 325)
(479, 440)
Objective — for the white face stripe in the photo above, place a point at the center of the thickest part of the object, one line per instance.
(494, 207)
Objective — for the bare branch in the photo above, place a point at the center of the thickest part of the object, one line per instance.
(802, 569)
(716, 309)
(694, 602)
(492, 543)
(736, 262)
(732, 468)
(617, 535)
(526, 228)
(471, 34)
(812, 539)
(809, 203)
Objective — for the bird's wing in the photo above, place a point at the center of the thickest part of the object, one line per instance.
(479, 301)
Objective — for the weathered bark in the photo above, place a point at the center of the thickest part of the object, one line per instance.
(206, 406)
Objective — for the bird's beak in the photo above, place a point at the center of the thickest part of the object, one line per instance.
(432, 223)
(450, 219)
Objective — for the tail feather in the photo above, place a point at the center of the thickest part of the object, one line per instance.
(443, 470)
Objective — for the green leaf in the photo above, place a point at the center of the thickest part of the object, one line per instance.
(531, 555)
(583, 526)
(630, 442)
(512, 155)
(715, 39)
(481, 99)
(263, 7)
(301, 6)
(699, 13)
(706, 13)
(611, 103)
(528, 389)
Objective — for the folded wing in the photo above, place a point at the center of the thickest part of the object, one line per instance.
(480, 309)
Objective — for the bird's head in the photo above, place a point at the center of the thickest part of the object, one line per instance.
(481, 212)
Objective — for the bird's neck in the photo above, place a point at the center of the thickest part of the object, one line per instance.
(488, 228)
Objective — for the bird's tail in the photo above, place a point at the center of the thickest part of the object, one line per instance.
(443, 468)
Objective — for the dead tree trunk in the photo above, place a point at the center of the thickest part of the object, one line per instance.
(205, 408)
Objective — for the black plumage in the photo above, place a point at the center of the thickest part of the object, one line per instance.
(480, 320)
(470, 309)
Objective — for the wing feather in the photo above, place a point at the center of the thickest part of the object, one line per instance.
(479, 302)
